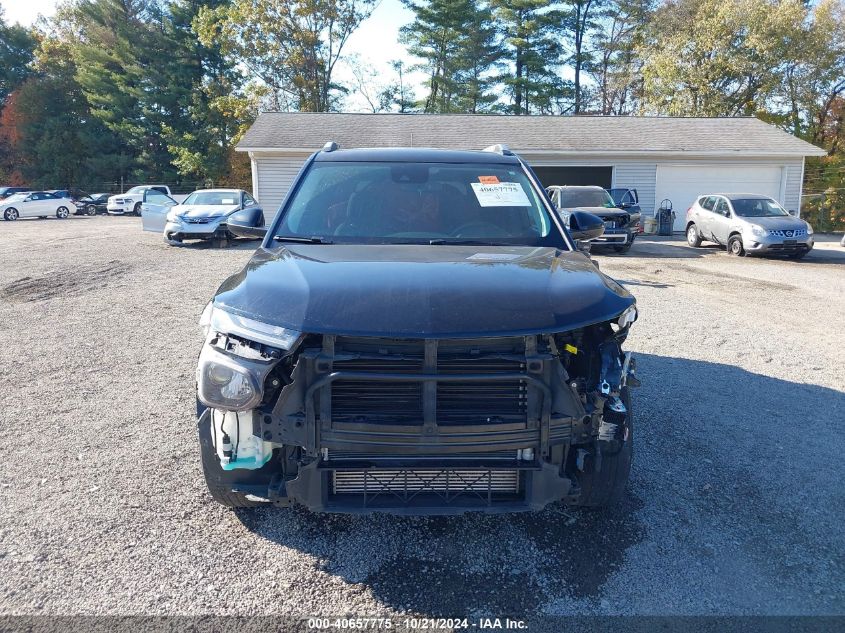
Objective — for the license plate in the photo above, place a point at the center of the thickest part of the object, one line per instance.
(790, 242)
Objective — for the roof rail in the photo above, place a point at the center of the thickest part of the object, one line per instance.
(330, 147)
(499, 148)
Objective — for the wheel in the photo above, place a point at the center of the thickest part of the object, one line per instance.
(735, 246)
(625, 247)
(606, 487)
(693, 238)
(10, 214)
(62, 213)
(91, 209)
(219, 481)
(137, 208)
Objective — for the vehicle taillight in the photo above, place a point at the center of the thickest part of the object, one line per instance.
(688, 210)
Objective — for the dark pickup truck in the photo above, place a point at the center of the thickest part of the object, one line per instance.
(416, 334)
(621, 224)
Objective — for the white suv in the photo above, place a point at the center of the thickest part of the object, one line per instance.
(130, 202)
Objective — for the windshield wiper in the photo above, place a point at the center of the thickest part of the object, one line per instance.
(460, 242)
(302, 240)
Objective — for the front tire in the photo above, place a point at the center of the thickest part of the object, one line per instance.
(91, 209)
(62, 213)
(693, 238)
(607, 487)
(137, 209)
(10, 214)
(735, 246)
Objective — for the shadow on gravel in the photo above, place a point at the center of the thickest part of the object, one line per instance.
(238, 244)
(471, 563)
(715, 462)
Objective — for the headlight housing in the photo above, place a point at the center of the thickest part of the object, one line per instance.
(758, 230)
(217, 320)
(227, 384)
(236, 358)
(809, 228)
(628, 316)
(172, 216)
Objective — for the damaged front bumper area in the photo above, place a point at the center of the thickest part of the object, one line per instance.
(429, 426)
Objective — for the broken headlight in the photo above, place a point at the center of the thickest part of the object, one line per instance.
(236, 358)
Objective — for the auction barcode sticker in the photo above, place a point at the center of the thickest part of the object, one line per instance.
(503, 194)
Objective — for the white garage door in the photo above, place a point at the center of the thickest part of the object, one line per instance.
(682, 184)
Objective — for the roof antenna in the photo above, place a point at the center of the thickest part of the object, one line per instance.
(330, 146)
(499, 148)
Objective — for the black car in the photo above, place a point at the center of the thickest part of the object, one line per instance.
(5, 192)
(621, 224)
(92, 204)
(417, 334)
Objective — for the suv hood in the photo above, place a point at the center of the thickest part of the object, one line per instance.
(602, 212)
(422, 291)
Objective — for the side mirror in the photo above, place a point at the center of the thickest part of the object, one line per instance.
(585, 226)
(247, 223)
(793, 212)
(626, 205)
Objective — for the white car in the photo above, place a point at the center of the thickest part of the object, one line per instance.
(201, 216)
(130, 202)
(36, 204)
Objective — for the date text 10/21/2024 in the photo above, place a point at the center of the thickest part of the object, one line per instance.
(417, 624)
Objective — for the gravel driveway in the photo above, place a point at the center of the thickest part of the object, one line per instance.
(735, 506)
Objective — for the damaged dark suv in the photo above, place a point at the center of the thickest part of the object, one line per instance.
(419, 334)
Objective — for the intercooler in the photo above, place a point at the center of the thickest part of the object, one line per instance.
(404, 483)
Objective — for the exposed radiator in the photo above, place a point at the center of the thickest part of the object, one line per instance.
(402, 402)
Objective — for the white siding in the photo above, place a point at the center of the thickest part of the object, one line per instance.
(272, 178)
(792, 192)
(639, 176)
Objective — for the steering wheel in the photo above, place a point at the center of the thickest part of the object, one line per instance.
(487, 230)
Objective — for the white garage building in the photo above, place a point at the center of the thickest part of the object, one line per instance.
(661, 157)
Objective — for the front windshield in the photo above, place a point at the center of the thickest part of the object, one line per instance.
(418, 203)
(572, 198)
(757, 208)
(213, 198)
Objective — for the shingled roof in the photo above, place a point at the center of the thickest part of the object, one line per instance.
(744, 136)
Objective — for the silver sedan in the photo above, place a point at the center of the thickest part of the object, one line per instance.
(201, 216)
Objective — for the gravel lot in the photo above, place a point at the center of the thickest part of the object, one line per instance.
(736, 501)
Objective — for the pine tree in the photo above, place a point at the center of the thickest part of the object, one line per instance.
(533, 52)
(457, 43)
